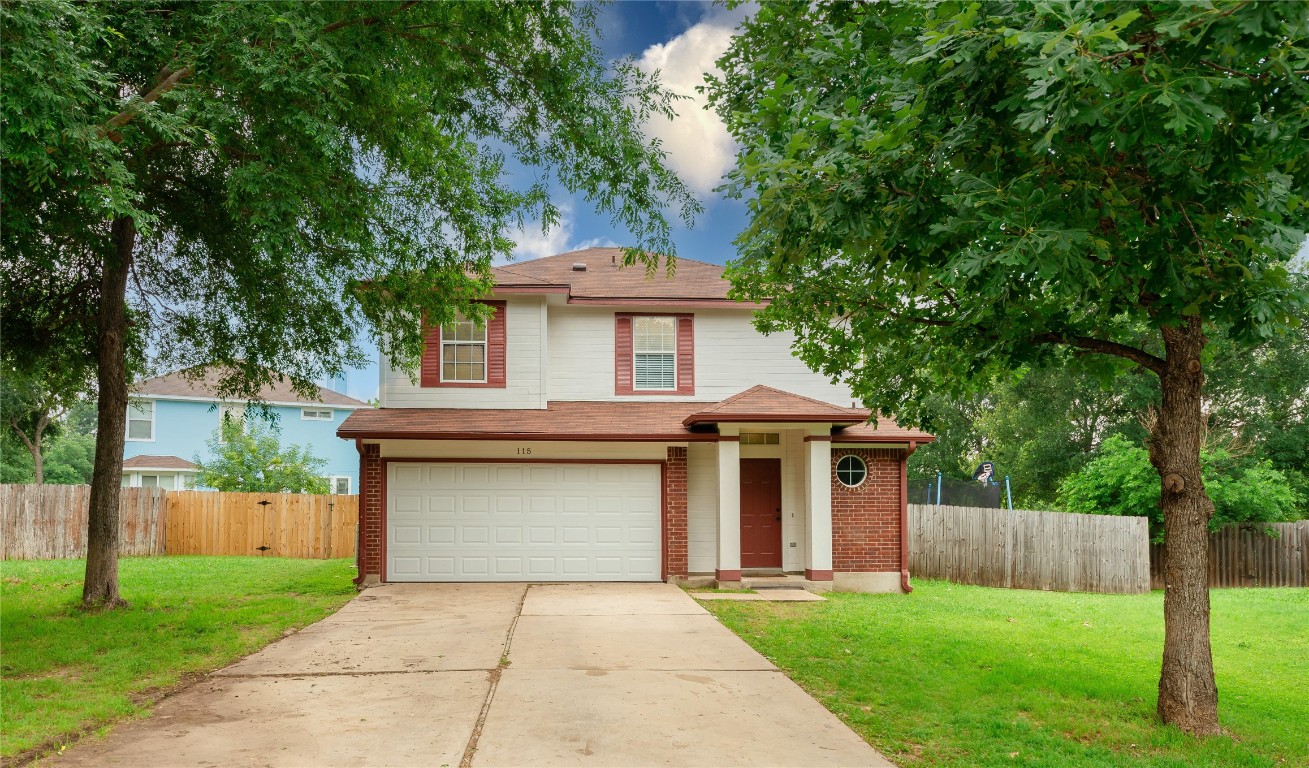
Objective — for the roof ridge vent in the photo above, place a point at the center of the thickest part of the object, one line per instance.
(579, 266)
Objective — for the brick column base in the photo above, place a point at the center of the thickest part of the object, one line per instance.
(369, 556)
(675, 541)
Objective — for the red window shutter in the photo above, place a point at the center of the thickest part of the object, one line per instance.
(685, 355)
(496, 346)
(622, 355)
(497, 363)
(430, 368)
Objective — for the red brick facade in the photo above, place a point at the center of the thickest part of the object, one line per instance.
(866, 519)
(675, 540)
(370, 510)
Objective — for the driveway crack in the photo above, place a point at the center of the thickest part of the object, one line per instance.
(494, 682)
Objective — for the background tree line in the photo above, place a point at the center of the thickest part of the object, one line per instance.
(1073, 442)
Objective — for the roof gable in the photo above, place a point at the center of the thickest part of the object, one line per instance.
(761, 403)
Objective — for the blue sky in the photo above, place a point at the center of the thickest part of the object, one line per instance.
(681, 40)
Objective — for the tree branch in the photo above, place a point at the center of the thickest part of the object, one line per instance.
(1221, 68)
(168, 83)
(1104, 347)
(367, 21)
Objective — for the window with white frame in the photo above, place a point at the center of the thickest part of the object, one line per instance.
(463, 351)
(231, 417)
(141, 420)
(316, 414)
(654, 351)
(851, 471)
(340, 484)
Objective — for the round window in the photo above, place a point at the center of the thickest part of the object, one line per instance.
(851, 471)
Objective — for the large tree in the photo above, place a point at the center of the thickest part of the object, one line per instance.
(940, 189)
(249, 184)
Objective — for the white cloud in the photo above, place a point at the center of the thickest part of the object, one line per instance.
(699, 147)
(533, 242)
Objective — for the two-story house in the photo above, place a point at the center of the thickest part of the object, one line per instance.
(171, 418)
(606, 425)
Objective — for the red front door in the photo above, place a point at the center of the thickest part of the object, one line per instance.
(761, 513)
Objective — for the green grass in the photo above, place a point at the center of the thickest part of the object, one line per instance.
(66, 672)
(968, 676)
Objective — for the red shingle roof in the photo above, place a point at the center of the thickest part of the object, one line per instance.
(613, 421)
(767, 404)
(559, 421)
(886, 431)
(157, 462)
(605, 280)
(180, 384)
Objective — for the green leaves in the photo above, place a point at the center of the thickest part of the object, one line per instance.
(301, 173)
(967, 187)
(251, 459)
(1120, 481)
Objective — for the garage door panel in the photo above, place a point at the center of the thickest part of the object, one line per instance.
(540, 522)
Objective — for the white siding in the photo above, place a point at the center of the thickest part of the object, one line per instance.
(524, 373)
(702, 507)
(730, 357)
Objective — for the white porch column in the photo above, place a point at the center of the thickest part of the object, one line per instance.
(818, 505)
(729, 508)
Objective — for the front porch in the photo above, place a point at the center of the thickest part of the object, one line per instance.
(791, 491)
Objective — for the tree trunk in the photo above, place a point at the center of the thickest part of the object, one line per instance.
(34, 447)
(101, 586)
(1188, 696)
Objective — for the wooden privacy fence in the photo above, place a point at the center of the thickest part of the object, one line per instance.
(272, 524)
(1025, 549)
(1248, 556)
(45, 522)
(39, 522)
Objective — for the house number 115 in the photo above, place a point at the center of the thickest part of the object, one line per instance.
(524, 451)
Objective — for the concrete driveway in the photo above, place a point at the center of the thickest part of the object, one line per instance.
(494, 675)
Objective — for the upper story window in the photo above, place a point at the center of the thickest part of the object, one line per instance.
(141, 420)
(231, 420)
(316, 414)
(654, 353)
(463, 352)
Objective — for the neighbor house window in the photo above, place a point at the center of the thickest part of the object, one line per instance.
(316, 414)
(230, 417)
(463, 351)
(654, 353)
(141, 420)
(339, 484)
(851, 471)
(761, 438)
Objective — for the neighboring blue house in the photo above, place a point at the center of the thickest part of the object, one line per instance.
(171, 418)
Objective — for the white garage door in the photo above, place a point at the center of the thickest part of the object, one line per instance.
(523, 522)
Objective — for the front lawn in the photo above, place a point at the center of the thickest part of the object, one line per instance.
(969, 676)
(66, 672)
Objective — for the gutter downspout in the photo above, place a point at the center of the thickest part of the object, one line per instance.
(359, 526)
(904, 518)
